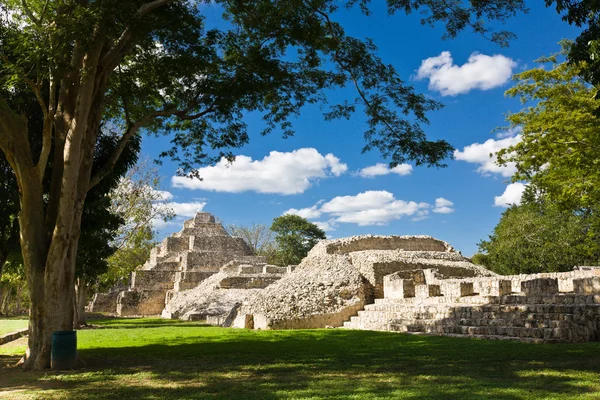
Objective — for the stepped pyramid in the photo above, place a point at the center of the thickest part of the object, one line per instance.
(180, 262)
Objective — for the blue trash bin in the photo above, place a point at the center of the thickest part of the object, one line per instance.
(64, 350)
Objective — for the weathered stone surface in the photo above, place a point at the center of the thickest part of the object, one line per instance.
(138, 303)
(323, 290)
(338, 277)
(540, 312)
(104, 303)
(180, 262)
(218, 298)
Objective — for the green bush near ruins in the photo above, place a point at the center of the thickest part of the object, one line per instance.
(166, 359)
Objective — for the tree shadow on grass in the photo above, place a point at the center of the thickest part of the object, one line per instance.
(338, 364)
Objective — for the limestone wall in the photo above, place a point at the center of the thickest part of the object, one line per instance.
(372, 242)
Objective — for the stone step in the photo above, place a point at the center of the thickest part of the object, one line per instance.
(519, 318)
(436, 300)
(559, 334)
(248, 282)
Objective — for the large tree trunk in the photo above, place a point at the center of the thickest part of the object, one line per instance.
(80, 303)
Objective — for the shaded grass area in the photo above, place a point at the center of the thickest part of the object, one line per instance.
(8, 325)
(158, 359)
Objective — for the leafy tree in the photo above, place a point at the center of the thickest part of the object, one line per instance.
(559, 150)
(139, 202)
(258, 236)
(154, 66)
(585, 52)
(295, 236)
(539, 237)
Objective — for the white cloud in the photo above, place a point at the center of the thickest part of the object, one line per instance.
(327, 226)
(480, 72)
(283, 173)
(186, 209)
(370, 208)
(484, 154)
(308, 213)
(512, 195)
(373, 207)
(383, 169)
(443, 206)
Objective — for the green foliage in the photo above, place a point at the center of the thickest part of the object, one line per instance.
(127, 258)
(295, 236)
(585, 51)
(559, 152)
(139, 202)
(539, 237)
(167, 71)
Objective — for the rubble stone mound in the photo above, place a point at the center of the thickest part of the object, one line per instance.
(340, 277)
(217, 299)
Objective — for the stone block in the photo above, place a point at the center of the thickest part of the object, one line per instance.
(186, 280)
(251, 269)
(104, 303)
(590, 285)
(143, 302)
(243, 282)
(398, 288)
(152, 280)
(273, 269)
(173, 244)
(539, 286)
(425, 291)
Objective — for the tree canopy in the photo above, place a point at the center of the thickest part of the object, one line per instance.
(537, 237)
(295, 236)
(559, 150)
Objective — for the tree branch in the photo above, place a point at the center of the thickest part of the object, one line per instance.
(29, 13)
(34, 87)
(129, 133)
(126, 36)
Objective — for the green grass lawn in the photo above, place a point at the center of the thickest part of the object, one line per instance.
(158, 359)
(8, 325)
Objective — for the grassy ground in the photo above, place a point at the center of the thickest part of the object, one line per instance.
(8, 325)
(157, 359)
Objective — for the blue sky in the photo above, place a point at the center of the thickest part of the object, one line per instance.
(321, 174)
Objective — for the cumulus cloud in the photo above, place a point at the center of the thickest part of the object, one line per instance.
(308, 213)
(512, 195)
(327, 226)
(480, 72)
(186, 209)
(370, 208)
(443, 206)
(383, 169)
(279, 172)
(484, 154)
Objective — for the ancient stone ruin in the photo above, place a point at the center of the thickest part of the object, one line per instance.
(414, 284)
(179, 263)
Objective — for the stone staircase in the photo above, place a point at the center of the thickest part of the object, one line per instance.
(539, 313)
